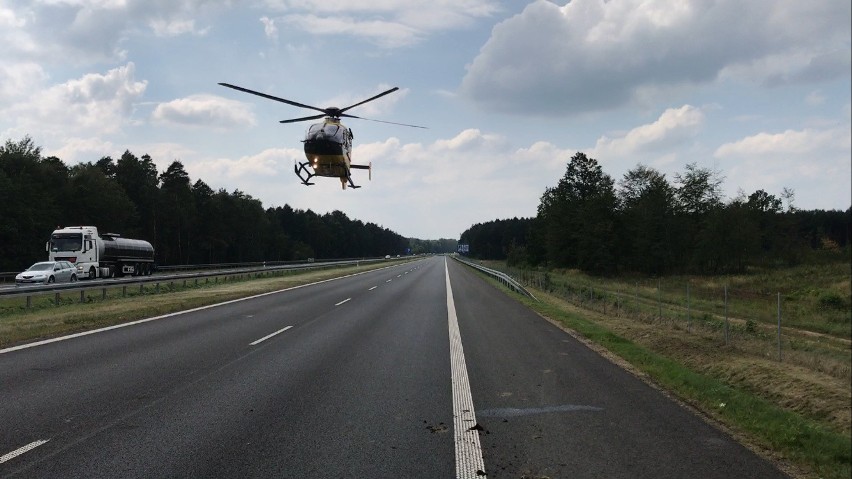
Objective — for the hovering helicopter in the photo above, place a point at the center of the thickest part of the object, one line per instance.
(328, 145)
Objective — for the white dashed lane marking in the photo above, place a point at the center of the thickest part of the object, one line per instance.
(255, 343)
(21, 450)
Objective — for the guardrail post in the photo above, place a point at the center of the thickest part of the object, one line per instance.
(103, 293)
(82, 295)
(56, 299)
(124, 291)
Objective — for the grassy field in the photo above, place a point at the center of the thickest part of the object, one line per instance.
(723, 357)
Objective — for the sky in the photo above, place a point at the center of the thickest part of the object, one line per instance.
(509, 91)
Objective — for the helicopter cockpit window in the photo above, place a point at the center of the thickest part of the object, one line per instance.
(325, 131)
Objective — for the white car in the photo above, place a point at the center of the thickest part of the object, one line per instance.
(47, 272)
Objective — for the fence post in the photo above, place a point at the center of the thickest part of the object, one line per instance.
(659, 299)
(779, 327)
(726, 315)
(688, 310)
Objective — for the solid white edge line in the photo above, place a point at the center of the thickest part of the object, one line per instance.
(344, 301)
(374, 287)
(469, 461)
(269, 336)
(17, 452)
(177, 313)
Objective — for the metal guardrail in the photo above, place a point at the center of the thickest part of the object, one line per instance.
(499, 275)
(9, 276)
(104, 284)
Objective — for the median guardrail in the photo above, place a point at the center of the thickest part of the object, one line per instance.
(29, 291)
(502, 277)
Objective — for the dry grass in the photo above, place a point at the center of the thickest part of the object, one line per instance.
(811, 382)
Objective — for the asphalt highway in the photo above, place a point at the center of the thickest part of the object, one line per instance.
(393, 373)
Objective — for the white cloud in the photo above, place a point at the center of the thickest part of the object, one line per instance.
(204, 111)
(594, 55)
(83, 31)
(802, 142)
(20, 81)
(267, 164)
(810, 161)
(674, 127)
(386, 23)
(175, 27)
(76, 150)
(383, 33)
(269, 28)
(90, 105)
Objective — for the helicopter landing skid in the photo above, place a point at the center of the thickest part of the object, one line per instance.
(299, 168)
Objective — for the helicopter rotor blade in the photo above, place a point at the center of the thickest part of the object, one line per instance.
(306, 118)
(264, 95)
(382, 121)
(370, 99)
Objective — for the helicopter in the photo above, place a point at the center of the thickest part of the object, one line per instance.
(328, 145)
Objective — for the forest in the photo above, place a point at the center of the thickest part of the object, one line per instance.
(648, 225)
(187, 222)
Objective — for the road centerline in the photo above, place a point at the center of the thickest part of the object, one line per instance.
(344, 301)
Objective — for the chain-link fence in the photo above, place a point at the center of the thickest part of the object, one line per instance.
(764, 324)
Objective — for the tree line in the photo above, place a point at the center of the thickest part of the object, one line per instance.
(187, 222)
(646, 224)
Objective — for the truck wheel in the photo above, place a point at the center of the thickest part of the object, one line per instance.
(92, 274)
